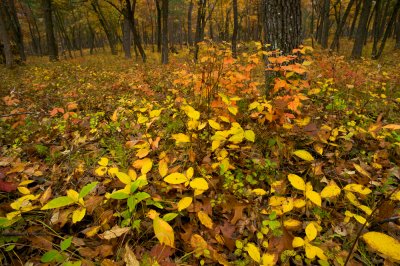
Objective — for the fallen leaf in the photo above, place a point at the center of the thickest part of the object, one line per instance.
(386, 246)
(114, 232)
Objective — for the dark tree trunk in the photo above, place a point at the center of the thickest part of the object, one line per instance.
(52, 48)
(107, 30)
(200, 25)
(325, 24)
(131, 17)
(376, 28)
(388, 29)
(11, 12)
(356, 13)
(159, 26)
(5, 39)
(397, 46)
(164, 50)
(189, 24)
(235, 28)
(126, 43)
(361, 30)
(335, 42)
(383, 20)
(283, 24)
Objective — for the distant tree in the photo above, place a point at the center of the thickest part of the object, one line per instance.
(5, 39)
(164, 50)
(235, 28)
(362, 30)
(52, 48)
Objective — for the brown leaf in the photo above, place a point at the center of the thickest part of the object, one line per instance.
(93, 202)
(88, 252)
(238, 213)
(42, 242)
(278, 244)
(105, 250)
(130, 257)
(107, 262)
(114, 232)
(161, 252)
(7, 186)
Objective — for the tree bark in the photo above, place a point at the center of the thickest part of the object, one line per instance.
(126, 43)
(361, 30)
(388, 29)
(109, 34)
(377, 22)
(159, 25)
(335, 42)
(325, 24)
(164, 50)
(5, 38)
(397, 46)
(235, 28)
(356, 13)
(11, 12)
(189, 24)
(200, 25)
(52, 48)
(283, 24)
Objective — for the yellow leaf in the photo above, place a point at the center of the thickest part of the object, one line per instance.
(237, 138)
(297, 182)
(205, 219)
(155, 113)
(112, 171)
(199, 183)
(142, 119)
(215, 144)
(268, 259)
(147, 165)
(191, 112)
(299, 203)
(72, 194)
(358, 189)
(101, 171)
(297, 242)
(314, 197)
(318, 148)
(214, 124)
(320, 253)
(103, 161)
(24, 190)
(124, 178)
(233, 110)
(253, 251)
(303, 154)
(386, 246)
(175, 178)
(132, 174)
(311, 252)
(142, 153)
(291, 224)
(189, 173)
(311, 232)
(331, 190)
(163, 168)
(92, 231)
(163, 231)
(249, 135)
(184, 203)
(287, 205)
(361, 170)
(259, 191)
(392, 126)
(78, 215)
(181, 138)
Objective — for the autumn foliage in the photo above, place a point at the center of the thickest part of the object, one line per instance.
(201, 163)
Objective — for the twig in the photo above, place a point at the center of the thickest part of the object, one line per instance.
(24, 113)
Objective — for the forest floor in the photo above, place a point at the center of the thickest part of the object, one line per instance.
(108, 161)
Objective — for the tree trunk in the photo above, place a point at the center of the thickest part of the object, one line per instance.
(52, 48)
(235, 28)
(5, 39)
(388, 29)
(159, 26)
(164, 50)
(200, 25)
(356, 13)
(189, 24)
(131, 17)
(377, 21)
(397, 46)
(126, 43)
(325, 24)
(11, 12)
(109, 34)
(335, 42)
(361, 30)
(283, 24)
